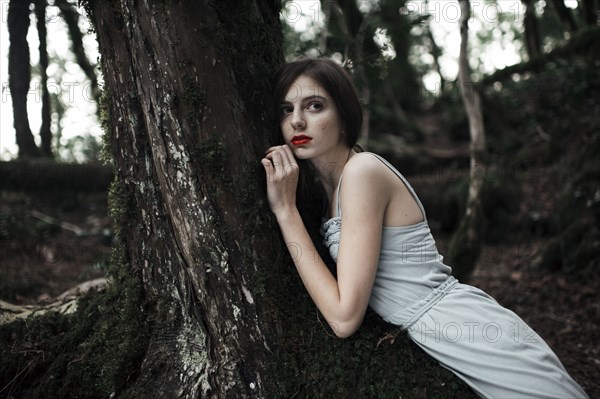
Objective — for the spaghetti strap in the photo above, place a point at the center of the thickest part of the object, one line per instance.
(337, 199)
(393, 169)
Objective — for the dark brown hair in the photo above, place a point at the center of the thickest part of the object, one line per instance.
(335, 80)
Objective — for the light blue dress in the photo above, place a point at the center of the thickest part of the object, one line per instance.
(486, 345)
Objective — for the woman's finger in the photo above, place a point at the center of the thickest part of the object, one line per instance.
(271, 149)
(277, 164)
(290, 155)
(284, 156)
(268, 168)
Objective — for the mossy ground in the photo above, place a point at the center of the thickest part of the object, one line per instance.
(92, 353)
(379, 361)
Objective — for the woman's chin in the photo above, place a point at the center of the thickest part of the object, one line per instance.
(301, 153)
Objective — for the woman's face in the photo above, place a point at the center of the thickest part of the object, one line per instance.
(310, 123)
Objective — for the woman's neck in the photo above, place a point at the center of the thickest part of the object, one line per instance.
(330, 166)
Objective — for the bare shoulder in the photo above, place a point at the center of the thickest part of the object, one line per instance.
(364, 165)
(364, 169)
(365, 175)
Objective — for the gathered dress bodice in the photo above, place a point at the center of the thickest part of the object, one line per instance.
(410, 274)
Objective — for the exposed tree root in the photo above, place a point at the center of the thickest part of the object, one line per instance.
(65, 303)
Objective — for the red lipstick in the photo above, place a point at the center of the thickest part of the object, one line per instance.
(300, 139)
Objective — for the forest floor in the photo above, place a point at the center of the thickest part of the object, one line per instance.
(51, 243)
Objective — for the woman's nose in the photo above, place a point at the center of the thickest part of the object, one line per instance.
(298, 121)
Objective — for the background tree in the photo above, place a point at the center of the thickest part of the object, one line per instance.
(532, 33)
(466, 242)
(45, 133)
(71, 17)
(19, 71)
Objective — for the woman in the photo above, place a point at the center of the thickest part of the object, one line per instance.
(384, 252)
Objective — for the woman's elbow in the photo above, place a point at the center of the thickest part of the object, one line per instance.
(344, 330)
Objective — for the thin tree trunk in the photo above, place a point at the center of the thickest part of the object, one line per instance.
(363, 80)
(466, 242)
(436, 53)
(408, 91)
(324, 33)
(532, 33)
(590, 10)
(564, 15)
(45, 133)
(71, 18)
(19, 74)
(356, 39)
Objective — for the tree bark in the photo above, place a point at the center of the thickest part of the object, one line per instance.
(19, 74)
(466, 242)
(185, 112)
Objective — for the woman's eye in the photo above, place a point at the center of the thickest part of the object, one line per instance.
(286, 110)
(315, 106)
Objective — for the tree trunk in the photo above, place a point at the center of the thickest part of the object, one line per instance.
(203, 299)
(409, 90)
(532, 33)
(564, 15)
(71, 18)
(356, 42)
(466, 242)
(589, 11)
(436, 53)
(324, 33)
(19, 74)
(185, 117)
(45, 133)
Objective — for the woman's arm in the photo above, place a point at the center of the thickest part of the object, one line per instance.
(363, 199)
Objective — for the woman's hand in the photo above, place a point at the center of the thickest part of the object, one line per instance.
(282, 178)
